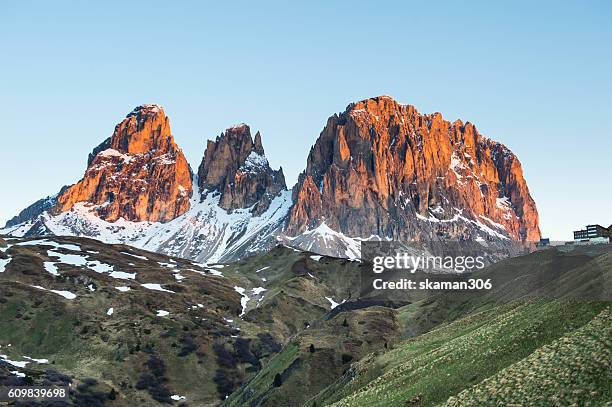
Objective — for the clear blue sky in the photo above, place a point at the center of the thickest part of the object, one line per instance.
(535, 77)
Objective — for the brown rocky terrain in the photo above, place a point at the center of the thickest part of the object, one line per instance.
(139, 173)
(382, 168)
(235, 166)
(131, 327)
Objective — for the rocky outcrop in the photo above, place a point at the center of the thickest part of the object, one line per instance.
(139, 173)
(34, 210)
(235, 166)
(382, 168)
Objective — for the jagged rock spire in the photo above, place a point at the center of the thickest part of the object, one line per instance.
(235, 166)
(139, 173)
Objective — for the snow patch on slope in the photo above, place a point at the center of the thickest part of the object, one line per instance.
(110, 152)
(255, 163)
(244, 299)
(66, 294)
(333, 303)
(326, 241)
(4, 263)
(206, 232)
(459, 217)
(156, 287)
(50, 267)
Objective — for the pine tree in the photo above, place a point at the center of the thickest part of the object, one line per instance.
(278, 381)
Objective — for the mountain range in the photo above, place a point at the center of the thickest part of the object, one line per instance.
(380, 170)
(147, 283)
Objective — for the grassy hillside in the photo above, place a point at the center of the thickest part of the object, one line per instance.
(298, 286)
(435, 366)
(112, 319)
(548, 305)
(575, 369)
(445, 344)
(143, 327)
(318, 356)
(268, 330)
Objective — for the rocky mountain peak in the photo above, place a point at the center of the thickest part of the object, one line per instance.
(235, 166)
(382, 168)
(139, 173)
(145, 129)
(258, 146)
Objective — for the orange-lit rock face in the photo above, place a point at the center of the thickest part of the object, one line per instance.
(383, 168)
(138, 174)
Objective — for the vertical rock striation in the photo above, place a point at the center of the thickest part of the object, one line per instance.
(382, 168)
(235, 166)
(139, 173)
